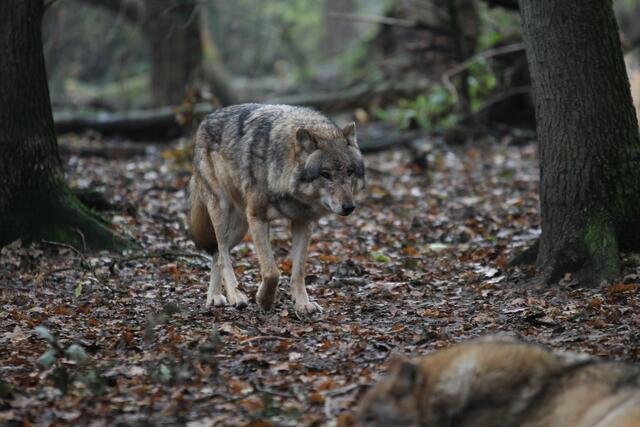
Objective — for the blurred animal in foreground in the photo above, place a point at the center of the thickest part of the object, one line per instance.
(500, 381)
(255, 163)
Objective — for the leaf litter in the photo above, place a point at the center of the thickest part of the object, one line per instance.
(125, 339)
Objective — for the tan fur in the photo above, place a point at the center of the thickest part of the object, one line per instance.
(199, 222)
(503, 382)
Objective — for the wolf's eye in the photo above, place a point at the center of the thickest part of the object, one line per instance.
(326, 175)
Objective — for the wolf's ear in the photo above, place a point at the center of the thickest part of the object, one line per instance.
(306, 140)
(349, 132)
(406, 374)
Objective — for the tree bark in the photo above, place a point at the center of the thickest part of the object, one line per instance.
(35, 202)
(589, 146)
(172, 32)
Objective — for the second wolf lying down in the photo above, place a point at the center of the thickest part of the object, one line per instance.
(504, 382)
(254, 163)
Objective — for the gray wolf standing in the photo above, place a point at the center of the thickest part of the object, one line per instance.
(254, 163)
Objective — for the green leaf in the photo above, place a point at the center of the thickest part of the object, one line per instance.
(44, 333)
(78, 290)
(5, 390)
(47, 359)
(95, 382)
(164, 374)
(61, 379)
(77, 353)
(380, 257)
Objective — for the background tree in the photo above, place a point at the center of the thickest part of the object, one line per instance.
(172, 31)
(338, 34)
(589, 146)
(35, 201)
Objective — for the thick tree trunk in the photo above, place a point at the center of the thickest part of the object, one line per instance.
(35, 202)
(589, 145)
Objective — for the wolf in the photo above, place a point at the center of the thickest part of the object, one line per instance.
(254, 163)
(499, 381)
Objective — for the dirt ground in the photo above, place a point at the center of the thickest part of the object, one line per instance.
(421, 264)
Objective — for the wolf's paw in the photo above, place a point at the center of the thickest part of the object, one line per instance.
(216, 300)
(307, 307)
(238, 299)
(266, 296)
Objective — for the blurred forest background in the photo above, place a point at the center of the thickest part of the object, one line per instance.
(416, 64)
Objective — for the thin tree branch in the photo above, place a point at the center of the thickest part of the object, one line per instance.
(372, 19)
(490, 53)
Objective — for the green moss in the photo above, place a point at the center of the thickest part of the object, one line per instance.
(64, 219)
(602, 245)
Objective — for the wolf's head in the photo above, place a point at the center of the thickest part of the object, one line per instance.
(395, 400)
(333, 170)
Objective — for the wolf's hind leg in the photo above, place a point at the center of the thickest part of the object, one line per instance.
(301, 236)
(214, 294)
(230, 227)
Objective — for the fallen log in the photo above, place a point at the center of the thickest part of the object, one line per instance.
(168, 123)
(359, 95)
(149, 125)
(161, 125)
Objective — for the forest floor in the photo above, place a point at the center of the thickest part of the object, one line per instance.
(421, 264)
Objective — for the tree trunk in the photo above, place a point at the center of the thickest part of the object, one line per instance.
(172, 32)
(337, 33)
(589, 146)
(35, 202)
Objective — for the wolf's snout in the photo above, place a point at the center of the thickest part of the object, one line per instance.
(347, 208)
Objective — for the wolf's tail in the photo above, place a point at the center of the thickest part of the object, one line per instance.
(200, 225)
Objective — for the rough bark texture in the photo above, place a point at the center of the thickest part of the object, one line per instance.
(35, 202)
(588, 138)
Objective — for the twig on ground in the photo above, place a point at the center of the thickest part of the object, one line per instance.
(262, 338)
(328, 412)
(163, 254)
(261, 389)
(84, 263)
(340, 390)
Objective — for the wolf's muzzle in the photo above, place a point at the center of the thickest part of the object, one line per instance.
(347, 208)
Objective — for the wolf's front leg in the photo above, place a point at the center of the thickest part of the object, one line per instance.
(301, 236)
(268, 289)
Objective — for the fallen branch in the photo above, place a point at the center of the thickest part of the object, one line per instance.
(359, 95)
(262, 338)
(261, 389)
(165, 254)
(340, 390)
(84, 263)
(372, 19)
